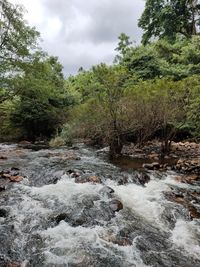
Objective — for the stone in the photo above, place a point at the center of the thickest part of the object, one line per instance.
(72, 157)
(151, 166)
(148, 166)
(94, 179)
(143, 178)
(194, 214)
(3, 213)
(122, 241)
(115, 205)
(3, 158)
(15, 169)
(17, 178)
(61, 217)
(154, 156)
(14, 264)
(189, 179)
(3, 184)
(106, 190)
(156, 165)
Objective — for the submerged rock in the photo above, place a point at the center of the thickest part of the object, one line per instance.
(61, 217)
(3, 213)
(86, 178)
(3, 158)
(3, 184)
(143, 178)
(115, 205)
(106, 191)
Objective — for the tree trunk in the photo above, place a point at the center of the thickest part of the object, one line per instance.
(115, 147)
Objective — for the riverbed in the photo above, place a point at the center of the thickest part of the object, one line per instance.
(74, 208)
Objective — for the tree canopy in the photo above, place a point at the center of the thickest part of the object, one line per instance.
(17, 41)
(163, 18)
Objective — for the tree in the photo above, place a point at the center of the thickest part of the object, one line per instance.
(41, 95)
(123, 46)
(17, 41)
(163, 18)
(161, 59)
(111, 90)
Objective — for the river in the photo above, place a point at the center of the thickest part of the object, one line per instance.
(52, 219)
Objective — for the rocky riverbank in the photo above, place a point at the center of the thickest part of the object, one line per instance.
(184, 156)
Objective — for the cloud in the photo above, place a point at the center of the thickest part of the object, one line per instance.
(83, 33)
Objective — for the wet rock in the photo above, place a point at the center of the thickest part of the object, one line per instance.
(115, 205)
(151, 166)
(106, 191)
(3, 184)
(14, 264)
(118, 240)
(87, 179)
(16, 178)
(72, 157)
(61, 217)
(122, 242)
(11, 175)
(156, 165)
(194, 213)
(13, 178)
(81, 220)
(104, 150)
(189, 179)
(188, 165)
(3, 158)
(123, 180)
(3, 213)
(143, 178)
(74, 173)
(15, 169)
(186, 200)
(94, 179)
(153, 156)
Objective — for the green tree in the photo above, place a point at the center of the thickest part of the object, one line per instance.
(123, 46)
(160, 59)
(168, 18)
(42, 96)
(17, 41)
(102, 114)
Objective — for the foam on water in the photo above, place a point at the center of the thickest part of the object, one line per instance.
(7, 147)
(36, 206)
(65, 189)
(186, 235)
(75, 245)
(145, 201)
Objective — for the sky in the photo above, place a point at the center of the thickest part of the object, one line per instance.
(83, 33)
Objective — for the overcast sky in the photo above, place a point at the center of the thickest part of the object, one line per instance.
(83, 32)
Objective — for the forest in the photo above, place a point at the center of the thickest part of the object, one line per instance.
(152, 90)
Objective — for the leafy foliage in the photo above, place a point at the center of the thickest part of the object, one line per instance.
(17, 41)
(168, 18)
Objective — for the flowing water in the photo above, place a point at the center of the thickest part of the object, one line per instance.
(51, 220)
